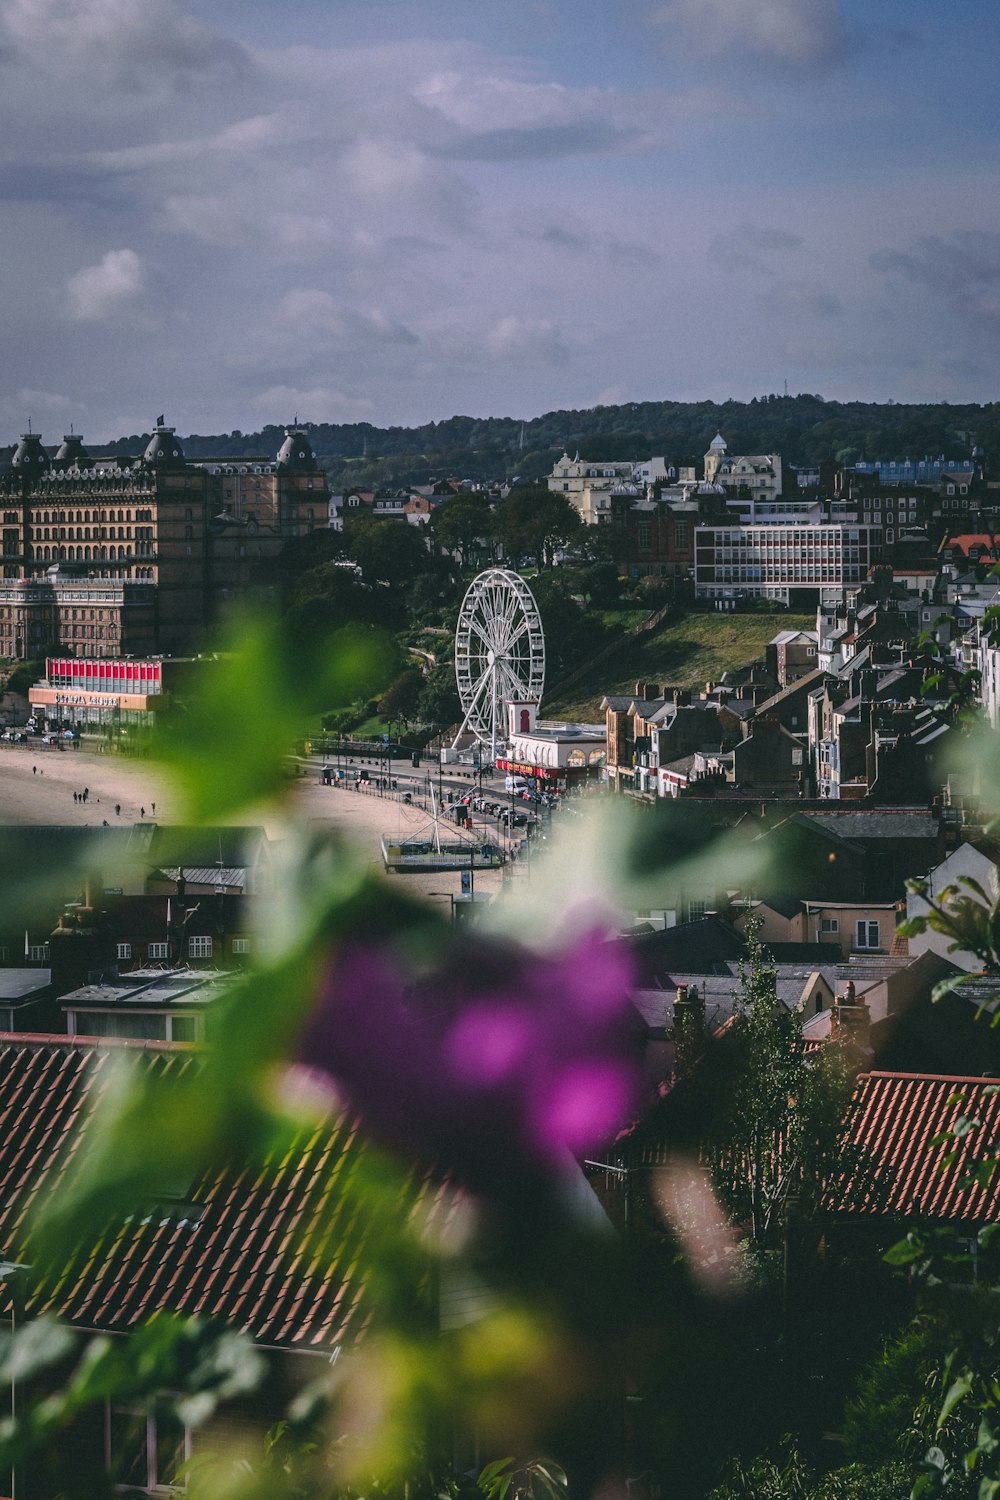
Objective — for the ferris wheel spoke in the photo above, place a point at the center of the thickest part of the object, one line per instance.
(515, 688)
(522, 629)
(486, 629)
(499, 652)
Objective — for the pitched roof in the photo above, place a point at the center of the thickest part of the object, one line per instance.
(266, 1246)
(877, 823)
(895, 1170)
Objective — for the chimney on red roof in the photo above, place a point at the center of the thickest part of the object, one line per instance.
(851, 1018)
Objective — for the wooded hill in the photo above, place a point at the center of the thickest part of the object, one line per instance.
(804, 429)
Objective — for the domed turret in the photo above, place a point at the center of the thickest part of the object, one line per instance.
(714, 457)
(296, 452)
(71, 450)
(163, 450)
(29, 455)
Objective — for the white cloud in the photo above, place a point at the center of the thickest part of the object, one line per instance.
(793, 33)
(136, 43)
(118, 282)
(527, 339)
(399, 173)
(39, 407)
(308, 308)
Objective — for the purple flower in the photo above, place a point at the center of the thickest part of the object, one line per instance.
(496, 1065)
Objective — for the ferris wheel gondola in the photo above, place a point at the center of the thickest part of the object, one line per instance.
(499, 653)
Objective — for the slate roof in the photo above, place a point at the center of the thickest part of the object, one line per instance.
(270, 1248)
(699, 947)
(716, 991)
(803, 684)
(877, 823)
(898, 1173)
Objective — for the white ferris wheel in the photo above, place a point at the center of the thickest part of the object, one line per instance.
(499, 653)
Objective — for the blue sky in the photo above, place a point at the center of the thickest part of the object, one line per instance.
(235, 213)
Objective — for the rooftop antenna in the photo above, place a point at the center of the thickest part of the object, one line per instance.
(786, 387)
(29, 426)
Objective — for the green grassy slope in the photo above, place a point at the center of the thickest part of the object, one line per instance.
(683, 653)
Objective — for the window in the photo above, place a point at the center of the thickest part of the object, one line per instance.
(696, 910)
(157, 951)
(145, 1449)
(199, 947)
(38, 953)
(829, 924)
(867, 935)
(124, 950)
(241, 945)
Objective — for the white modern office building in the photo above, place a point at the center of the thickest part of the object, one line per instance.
(790, 564)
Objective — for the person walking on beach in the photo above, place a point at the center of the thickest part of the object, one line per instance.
(34, 770)
(118, 809)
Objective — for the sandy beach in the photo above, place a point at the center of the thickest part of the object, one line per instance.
(38, 782)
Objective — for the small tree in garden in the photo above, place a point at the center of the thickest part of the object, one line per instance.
(773, 1109)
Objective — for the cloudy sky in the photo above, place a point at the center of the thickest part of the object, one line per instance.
(234, 212)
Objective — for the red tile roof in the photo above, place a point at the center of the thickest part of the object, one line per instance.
(271, 1248)
(893, 1169)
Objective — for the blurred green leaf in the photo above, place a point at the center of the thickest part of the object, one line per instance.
(230, 747)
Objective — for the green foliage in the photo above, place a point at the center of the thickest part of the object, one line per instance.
(533, 522)
(439, 703)
(401, 698)
(465, 524)
(287, 678)
(772, 1112)
(788, 1476)
(387, 551)
(201, 1366)
(887, 1417)
(24, 676)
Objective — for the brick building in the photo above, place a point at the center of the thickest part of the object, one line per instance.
(120, 555)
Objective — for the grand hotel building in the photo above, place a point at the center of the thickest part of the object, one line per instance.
(131, 556)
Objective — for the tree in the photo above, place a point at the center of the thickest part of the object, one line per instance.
(401, 697)
(571, 633)
(773, 1110)
(387, 551)
(330, 597)
(465, 525)
(439, 703)
(535, 522)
